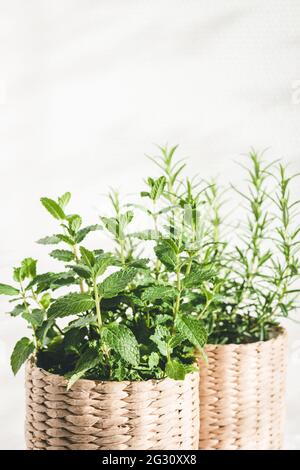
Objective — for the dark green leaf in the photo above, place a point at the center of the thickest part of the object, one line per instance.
(198, 275)
(82, 271)
(22, 350)
(82, 322)
(35, 318)
(191, 329)
(166, 254)
(116, 282)
(151, 294)
(71, 304)
(89, 359)
(122, 340)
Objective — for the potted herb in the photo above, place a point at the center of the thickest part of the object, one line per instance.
(257, 288)
(254, 264)
(110, 361)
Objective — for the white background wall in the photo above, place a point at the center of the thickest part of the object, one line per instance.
(86, 88)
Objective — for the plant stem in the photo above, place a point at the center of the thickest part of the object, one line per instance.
(75, 251)
(97, 301)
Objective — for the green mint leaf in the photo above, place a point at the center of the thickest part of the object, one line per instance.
(35, 318)
(75, 222)
(122, 340)
(22, 350)
(18, 310)
(175, 370)
(176, 340)
(198, 275)
(64, 200)
(82, 322)
(151, 294)
(102, 263)
(52, 240)
(52, 280)
(191, 329)
(70, 304)
(116, 282)
(87, 257)
(166, 254)
(53, 208)
(82, 233)
(89, 359)
(82, 271)
(111, 224)
(62, 255)
(153, 360)
(66, 239)
(5, 289)
(28, 268)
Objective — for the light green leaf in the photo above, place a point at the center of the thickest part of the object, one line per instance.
(175, 370)
(122, 340)
(151, 294)
(22, 350)
(5, 289)
(157, 187)
(71, 304)
(64, 200)
(191, 329)
(55, 210)
(62, 255)
(52, 240)
(28, 268)
(87, 256)
(116, 282)
(82, 233)
(153, 360)
(145, 235)
(89, 359)
(75, 222)
(111, 224)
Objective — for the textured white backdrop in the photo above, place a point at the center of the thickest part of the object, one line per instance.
(86, 87)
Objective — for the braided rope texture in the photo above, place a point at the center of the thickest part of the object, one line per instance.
(94, 415)
(242, 395)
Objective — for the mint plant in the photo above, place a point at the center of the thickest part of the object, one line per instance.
(105, 315)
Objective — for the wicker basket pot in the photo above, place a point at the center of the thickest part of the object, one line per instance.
(94, 415)
(242, 395)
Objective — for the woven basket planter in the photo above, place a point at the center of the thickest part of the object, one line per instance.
(242, 395)
(94, 415)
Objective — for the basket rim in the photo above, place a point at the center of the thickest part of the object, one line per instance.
(31, 363)
(280, 333)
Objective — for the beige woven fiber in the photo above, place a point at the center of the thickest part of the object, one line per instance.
(93, 415)
(242, 395)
